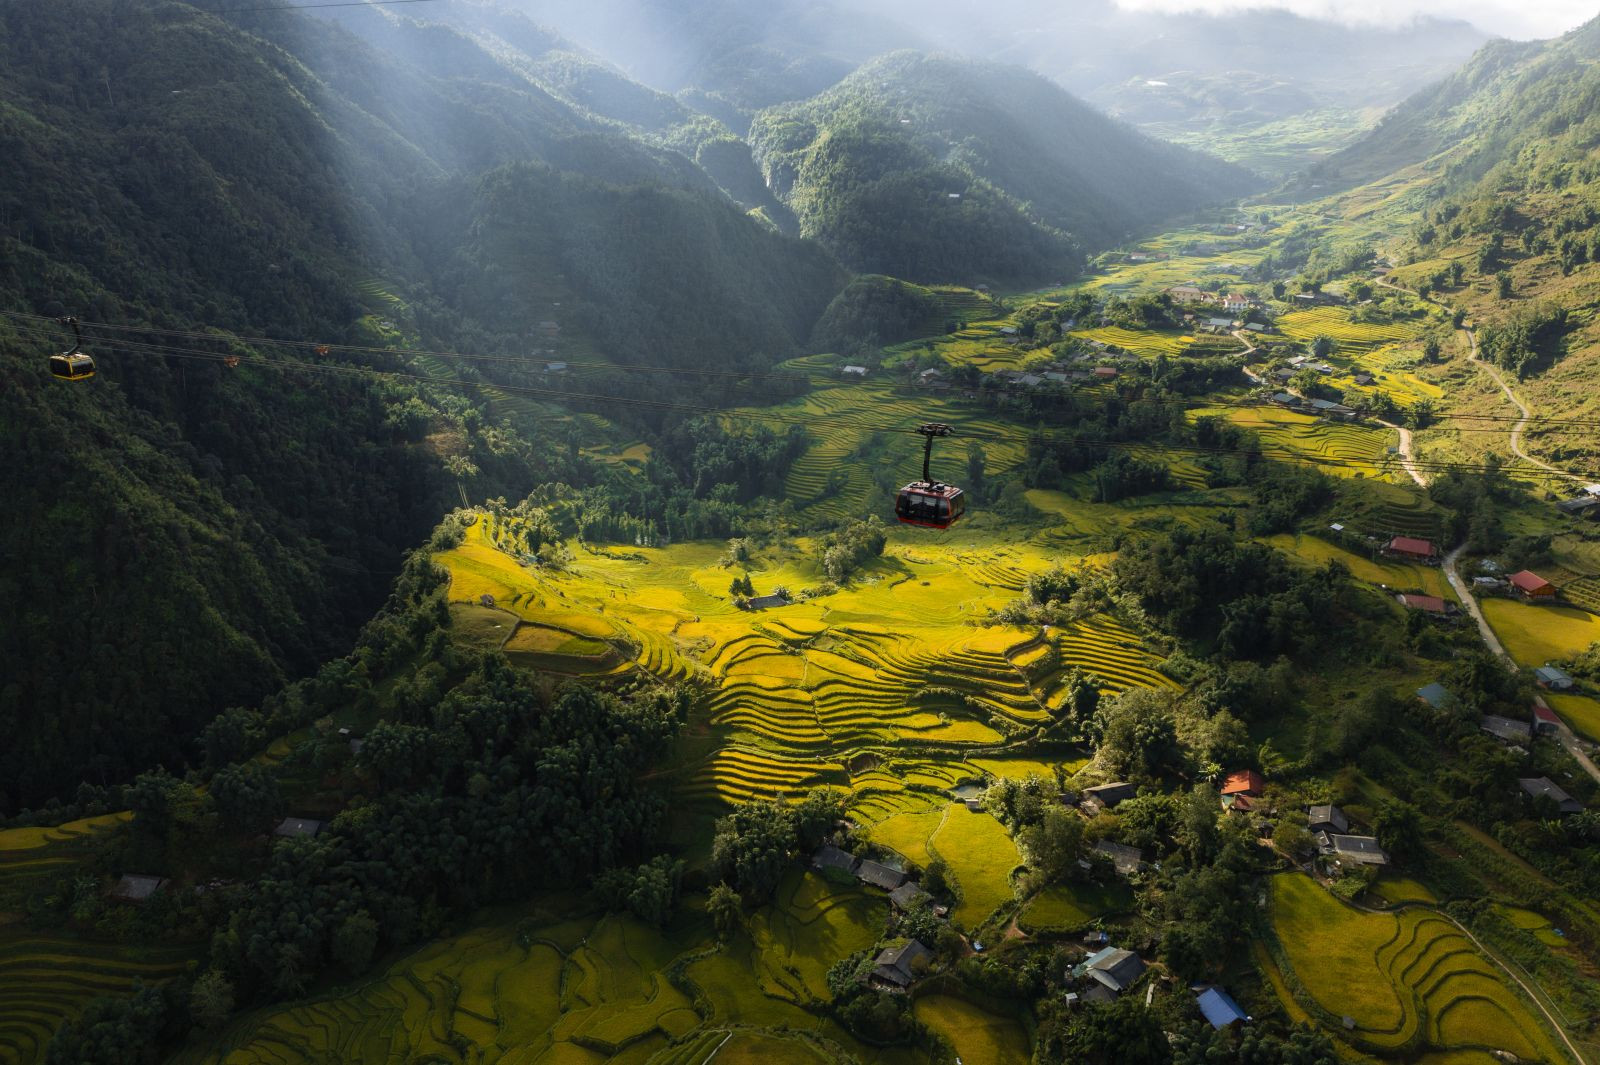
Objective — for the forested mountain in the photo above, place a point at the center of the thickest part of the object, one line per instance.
(938, 169)
(257, 179)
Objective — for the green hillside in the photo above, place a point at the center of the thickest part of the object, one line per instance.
(940, 170)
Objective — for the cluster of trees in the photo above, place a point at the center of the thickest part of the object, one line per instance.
(854, 545)
(1245, 599)
(1527, 340)
(755, 844)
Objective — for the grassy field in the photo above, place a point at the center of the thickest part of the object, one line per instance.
(1409, 981)
(1395, 576)
(1535, 635)
(1070, 907)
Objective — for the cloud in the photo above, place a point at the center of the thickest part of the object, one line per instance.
(1521, 19)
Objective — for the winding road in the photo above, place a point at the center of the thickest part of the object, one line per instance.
(1452, 571)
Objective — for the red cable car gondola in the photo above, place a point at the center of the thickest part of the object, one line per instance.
(928, 503)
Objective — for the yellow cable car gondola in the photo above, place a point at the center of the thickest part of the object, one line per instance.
(74, 365)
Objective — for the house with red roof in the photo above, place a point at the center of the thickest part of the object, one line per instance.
(1241, 790)
(1409, 547)
(1431, 604)
(1530, 585)
(1545, 721)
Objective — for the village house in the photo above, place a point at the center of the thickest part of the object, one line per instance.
(897, 968)
(1113, 968)
(1530, 585)
(764, 602)
(1241, 790)
(1105, 373)
(879, 875)
(1412, 549)
(1584, 506)
(1544, 787)
(1554, 678)
(1219, 1009)
(136, 887)
(1329, 819)
(854, 371)
(1188, 294)
(1506, 729)
(828, 857)
(1361, 850)
(909, 896)
(555, 367)
(1364, 379)
(291, 827)
(1545, 721)
(1435, 695)
(1106, 795)
(1430, 604)
(1127, 860)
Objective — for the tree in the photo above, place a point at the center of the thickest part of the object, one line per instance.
(1503, 284)
(355, 941)
(211, 999)
(1398, 826)
(246, 796)
(1121, 1033)
(725, 908)
(1323, 346)
(1054, 845)
(1138, 734)
(752, 847)
(1291, 836)
(649, 892)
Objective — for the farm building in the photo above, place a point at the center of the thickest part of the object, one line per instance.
(765, 602)
(1362, 850)
(1410, 547)
(1364, 379)
(135, 887)
(1329, 819)
(1581, 507)
(1430, 604)
(1544, 787)
(1109, 794)
(290, 827)
(1128, 860)
(1188, 294)
(1530, 585)
(879, 875)
(909, 896)
(1504, 728)
(1113, 968)
(555, 367)
(853, 371)
(1219, 1008)
(1105, 373)
(1435, 695)
(1553, 677)
(830, 857)
(930, 376)
(899, 967)
(1545, 721)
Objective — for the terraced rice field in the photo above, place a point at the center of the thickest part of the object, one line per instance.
(48, 980)
(1339, 448)
(1408, 981)
(1070, 907)
(978, 1036)
(1353, 337)
(1147, 343)
(1534, 635)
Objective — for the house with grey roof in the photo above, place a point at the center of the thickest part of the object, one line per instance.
(909, 896)
(1553, 677)
(1362, 850)
(1505, 728)
(291, 827)
(879, 875)
(828, 857)
(899, 967)
(1544, 787)
(1128, 860)
(1113, 968)
(1328, 818)
(1109, 794)
(136, 887)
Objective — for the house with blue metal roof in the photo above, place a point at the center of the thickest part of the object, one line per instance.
(1220, 1009)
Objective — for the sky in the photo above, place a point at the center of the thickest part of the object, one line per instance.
(1521, 19)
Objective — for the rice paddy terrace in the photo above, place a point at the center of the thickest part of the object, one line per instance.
(558, 984)
(47, 978)
(1400, 983)
(890, 672)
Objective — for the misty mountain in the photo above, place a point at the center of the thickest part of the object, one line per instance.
(934, 168)
(214, 531)
(1509, 97)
